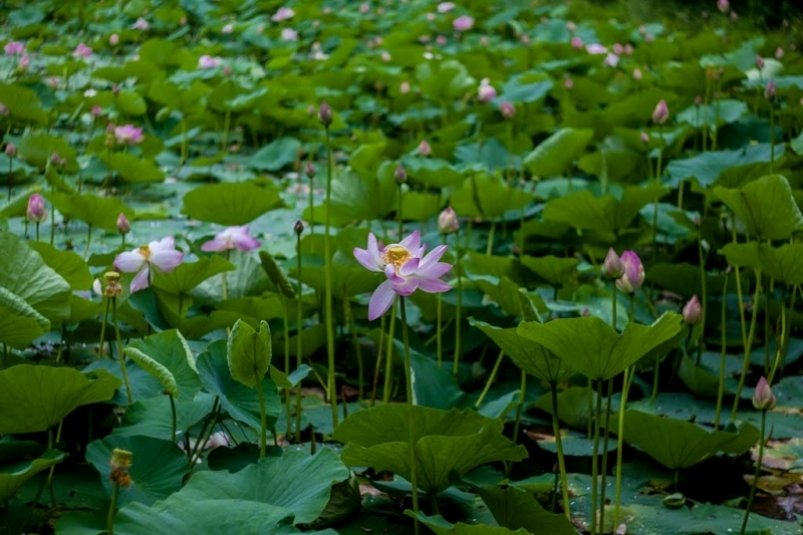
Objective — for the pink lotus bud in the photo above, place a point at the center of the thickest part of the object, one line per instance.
(11, 150)
(644, 137)
(289, 34)
(283, 13)
(114, 39)
(423, 148)
(227, 29)
(82, 51)
(209, 62)
(576, 42)
(568, 83)
(628, 49)
(637, 75)
(440, 40)
(310, 170)
(611, 60)
(760, 63)
(618, 49)
(692, 311)
(486, 92)
(763, 398)
(400, 175)
(633, 276)
(385, 56)
(3, 109)
(14, 48)
(123, 226)
(96, 111)
(445, 7)
(734, 16)
(723, 5)
(769, 91)
(24, 62)
(36, 212)
(325, 114)
(298, 228)
(571, 26)
(128, 134)
(448, 223)
(463, 23)
(661, 112)
(507, 109)
(57, 160)
(404, 88)
(779, 53)
(141, 24)
(365, 7)
(612, 267)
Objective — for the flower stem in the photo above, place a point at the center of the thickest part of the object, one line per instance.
(121, 353)
(595, 459)
(628, 378)
(389, 356)
(408, 371)
(286, 319)
(88, 240)
(491, 379)
(519, 411)
(748, 344)
(173, 418)
(263, 421)
(112, 509)
(458, 314)
(603, 484)
(722, 353)
(299, 331)
(752, 494)
(103, 327)
(327, 246)
(564, 482)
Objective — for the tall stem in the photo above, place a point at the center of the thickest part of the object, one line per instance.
(564, 482)
(748, 344)
(594, 458)
(389, 356)
(327, 246)
(263, 421)
(491, 379)
(172, 418)
(121, 353)
(603, 485)
(722, 353)
(408, 374)
(299, 330)
(620, 431)
(286, 319)
(112, 509)
(752, 494)
(703, 295)
(103, 326)
(458, 313)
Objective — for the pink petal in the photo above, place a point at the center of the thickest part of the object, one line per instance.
(167, 260)
(381, 300)
(413, 243)
(165, 243)
(409, 267)
(366, 259)
(433, 256)
(373, 250)
(434, 271)
(130, 261)
(141, 281)
(244, 241)
(433, 286)
(215, 245)
(404, 286)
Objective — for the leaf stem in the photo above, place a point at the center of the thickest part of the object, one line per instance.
(408, 371)
(329, 318)
(121, 353)
(389, 356)
(752, 494)
(263, 421)
(564, 482)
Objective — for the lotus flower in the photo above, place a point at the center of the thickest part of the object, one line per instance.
(507, 109)
(406, 269)
(424, 149)
(114, 39)
(161, 255)
(445, 7)
(141, 24)
(36, 211)
(82, 51)
(208, 62)
(692, 311)
(723, 5)
(448, 222)
(486, 92)
(14, 48)
(463, 23)
(283, 13)
(612, 267)
(763, 398)
(633, 276)
(596, 49)
(128, 134)
(289, 34)
(123, 226)
(661, 112)
(231, 238)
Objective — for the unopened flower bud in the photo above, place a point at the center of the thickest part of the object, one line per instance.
(507, 109)
(448, 222)
(36, 212)
(779, 53)
(644, 137)
(114, 39)
(310, 170)
(11, 150)
(633, 276)
(769, 91)
(612, 266)
(400, 174)
(423, 148)
(123, 226)
(325, 114)
(661, 112)
(759, 63)
(692, 311)
(57, 160)
(298, 228)
(763, 398)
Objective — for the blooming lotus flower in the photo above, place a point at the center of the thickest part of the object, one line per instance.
(486, 92)
(128, 134)
(141, 24)
(161, 255)
(36, 211)
(14, 48)
(406, 269)
(114, 39)
(231, 238)
(82, 51)
(763, 398)
(96, 110)
(445, 7)
(633, 276)
(209, 62)
(227, 29)
(661, 112)
(723, 5)
(283, 13)
(611, 60)
(463, 23)
(576, 42)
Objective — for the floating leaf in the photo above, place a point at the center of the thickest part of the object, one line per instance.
(133, 168)
(14, 475)
(99, 212)
(189, 275)
(555, 154)
(231, 203)
(276, 155)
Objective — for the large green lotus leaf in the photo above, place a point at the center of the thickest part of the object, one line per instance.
(20, 323)
(530, 357)
(432, 172)
(37, 149)
(444, 80)
(347, 280)
(553, 269)
(230, 203)
(170, 349)
(157, 469)
(68, 264)
(24, 273)
(515, 508)
(22, 103)
(14, 475)
(241, 402)
(249, 353)
(676, 443)
(441, 526)
(766, 206)
(188, 275)
(367, 157)
(720, 112)
(36, 397)
(133, 168)
(707, 166)
(485, 155)
(487, 196)
(527, 87)
(247, 279)
(784, 263)
(420, 206)
(277, 154)
(152, 417)
(592, 346)
(447, 442)
(131, 103)
(556, 153)
(98, 212)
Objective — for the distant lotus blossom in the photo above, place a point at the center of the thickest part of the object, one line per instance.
(633, 276)
(568, 83)
(406, 269)
(160, 255)
(141, 24)
(769, 91)
(289, 34)
(404, 88)
(779, 53)
(114, 39)
(24, 62)
(283, 13)
(128, 134)
(507, 109)
(227, 29)
(763, 398)
(385, 56)
(644, 137)
(365, 7)
(734, 16)
(423, 148)
(611, 60)
(14, 48)
(57, 159)
(445, 7)
(576, 42)
(760, 63)
(231, 238)
(36, 211)
(571, 26)
(82, 51)
(123, 226)
(209, 62)
(486, 92)
(448, 222)
(723, 5)
(440, 40)
(637, 75)
(692, 311)
(661, 112)
(596, 49)
(10, 150)
(463, 23)
(96, 110)
(629, 49)
(430, 16)
(618, 49)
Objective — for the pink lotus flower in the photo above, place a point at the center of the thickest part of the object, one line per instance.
(692, 311)
(128, 134)
(763, 398)
(576, 42)
(611, 60)
(612, 267)
(161, 255)
(596, 49)
(231, 238)
(507, 109)
(568, 83)
(486, 92)
(661, 112)
(637, 75)
(448, 222)
(123, 226)
(11, 149)
(36, 211)
(723, 5)
(227, 29)
(209, 62)
(283, 13)
(445, 7)
(633, 276)
(406, 269)
(463, 23)
(24, 62)
(82, 51)
(779, 53)
(404, 88)
(289, 34)
(423, 148)
(141, 24)
(114, 39)
(14, 48)
(96, 110)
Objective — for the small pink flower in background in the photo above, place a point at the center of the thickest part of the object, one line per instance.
(568, 83)
(141, 24)
(36, 211)
(633, 276)
(571, 26)
(96, 111)
(209, 62)
(57, 159)
(11, 149)
(123, 226)
(445, 7)
(698, 100)
(406, 269)
(618, 49)
(692, 311)
(114, 39)
(486, 92)
(404, 88)
(3, 109)
(759, 62)
(769, 91)
(161, 255)
(644, 137)
(661, 112)
(289, 34)
(576, 42)
(637, 75)
(734, 16)
(507, 109)
(423, 148)
(24, 62)
(779, 53)
(128, 134)
(723, 5)
(231, 238)
(611, 60)
(440, 40)
(365, 7)
(385, 56)
(463, 23)
(227, 29)
(763, 398)
(82, 51)
(596, 49)
(283, 13)
(14, 48)
(448, 222)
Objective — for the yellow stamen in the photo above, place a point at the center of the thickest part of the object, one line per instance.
(145, 251)
(396, 255)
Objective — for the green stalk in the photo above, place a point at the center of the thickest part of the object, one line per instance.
(408, 371)
(722, 354)
(564, 481)
(438, 327)
(121, 353)
(519, 411)
(327, 246)
(299, 341)
(613, 306)
(490, 245)
(389, 356)
(748, 343)
(103, 326)
(112, 509)
(752, 494)
(37, 231)
(311, 204)
(263, 421)
(88, 240)
(173, 418)
(604, 470)
(491, 379)
(628, 378)
(595, 459)
(286, 319)
(378, 365)
(703, 296)
(458, 314)
(355, 340)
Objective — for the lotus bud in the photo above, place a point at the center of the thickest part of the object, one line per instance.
(507, 109)
(779, 53)
(723, 6)
(123, 226)
(310, 170)
(11, 150)
(763, 398)
(759, 63)
(568, 83)
(448, 222)
(423, 148)
(36, 212)
(769, 91)
(612, 267)
(644, 137)
(3, 109)
(400, 174)
(298, 228)
(325, 114)
(661, 112)
(633, 276)
(57, 160)
(692, 311)
(114, 39)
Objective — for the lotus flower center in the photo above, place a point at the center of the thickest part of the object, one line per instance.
(396, 255)
(145, 251)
